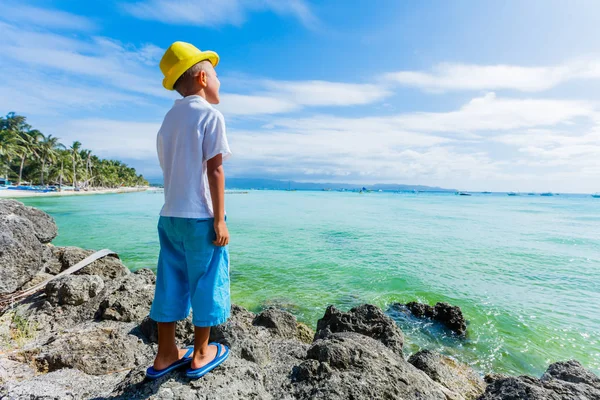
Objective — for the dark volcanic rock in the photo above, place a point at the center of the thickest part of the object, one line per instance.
(451, 316)
(562, 381)
(444, 313)
(73, 290)
(44, 227)
(449, 373)
(367, 320)
(132, 299)
(349, 365)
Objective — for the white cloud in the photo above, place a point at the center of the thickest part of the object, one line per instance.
(107, 61)
(244, 105)
(216, 12)
(486, 113)
(277, 97)
(46, 18)
(111, 138)
(456, 76)
(324, 93)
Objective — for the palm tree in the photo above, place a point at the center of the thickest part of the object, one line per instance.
(48, 149)
(75, 158)
(8, 149)
(28, 148)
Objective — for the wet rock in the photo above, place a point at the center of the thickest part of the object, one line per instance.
(562, 381)
(109, 267)
(21, 253)
(448, 315)
(349, 365)
(449, 373)
(367, 320)
(131, 300)
(69, 384)
(95, 349)
(452, 317)
(73, 289)
(44, 227)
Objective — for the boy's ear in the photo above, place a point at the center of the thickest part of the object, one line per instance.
(202, 79)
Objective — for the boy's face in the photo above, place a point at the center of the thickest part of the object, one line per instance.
(211, 84)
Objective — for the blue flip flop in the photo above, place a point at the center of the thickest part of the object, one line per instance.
(152, 373)
(195, 373)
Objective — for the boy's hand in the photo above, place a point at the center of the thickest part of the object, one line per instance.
(222, 234)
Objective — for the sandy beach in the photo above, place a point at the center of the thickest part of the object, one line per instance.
(27, 193)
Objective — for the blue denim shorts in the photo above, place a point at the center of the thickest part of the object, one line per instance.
(192, 273)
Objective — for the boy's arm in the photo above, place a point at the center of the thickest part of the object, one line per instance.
(216, 183)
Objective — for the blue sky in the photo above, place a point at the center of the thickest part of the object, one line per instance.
(476, 95)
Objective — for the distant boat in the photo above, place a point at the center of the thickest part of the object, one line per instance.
(596, 195)
(486, 192)
(530, 194)
(548, 194)
(462, 194)
(512, 194)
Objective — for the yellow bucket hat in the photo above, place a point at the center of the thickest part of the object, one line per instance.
(179, 57)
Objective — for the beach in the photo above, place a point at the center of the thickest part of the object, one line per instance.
(14, 194)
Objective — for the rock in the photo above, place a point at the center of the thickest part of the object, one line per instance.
(420, 310)
(448, 315)
(13, 371)
(367, 320)
(109, 267)
(132, 299)
(562, 381)
(54, 265)
(571, 371)
(44, 227)
(68, 384)
(452, 317)
(349, 365)
(282, 323)
(304, 333)
(449, 373)
(21, 253)
(94, 348)
(73, 289)
(259, 365)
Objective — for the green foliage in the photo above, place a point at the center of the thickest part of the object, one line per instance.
(26, 154)
(22, 330)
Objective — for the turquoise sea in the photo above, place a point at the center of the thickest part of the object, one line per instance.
(525, 270)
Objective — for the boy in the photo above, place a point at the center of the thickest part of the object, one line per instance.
(193, 265)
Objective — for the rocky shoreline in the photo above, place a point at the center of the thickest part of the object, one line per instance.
(88, 336)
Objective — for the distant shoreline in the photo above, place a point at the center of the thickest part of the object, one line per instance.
(13, 194)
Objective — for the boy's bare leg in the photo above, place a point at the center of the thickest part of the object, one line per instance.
(203, 353)
(168, 352)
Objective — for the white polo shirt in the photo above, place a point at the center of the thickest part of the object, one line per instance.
(192, 133)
